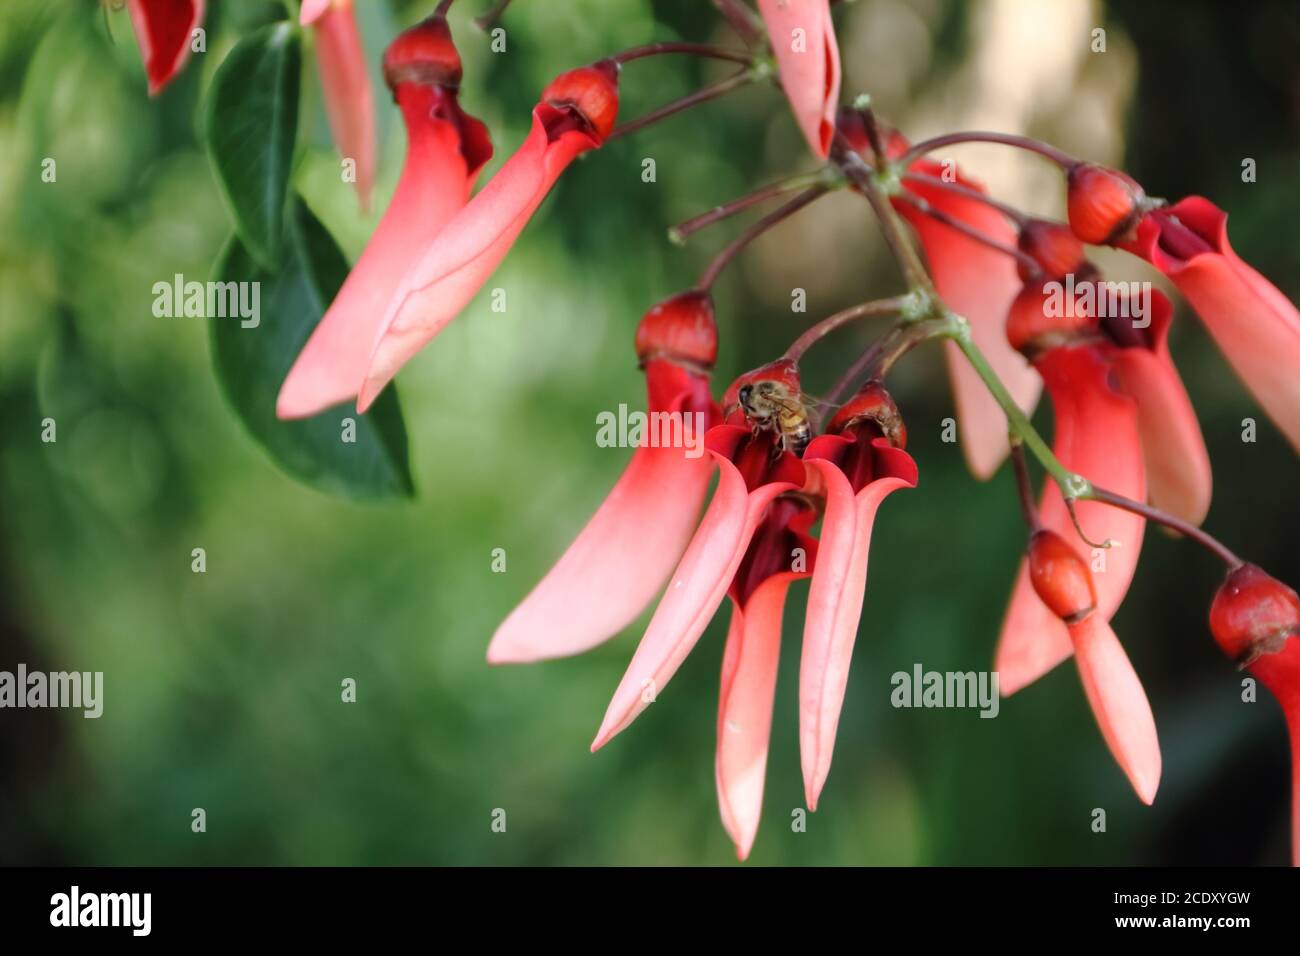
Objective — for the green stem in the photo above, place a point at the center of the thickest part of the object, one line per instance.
(1072, 485)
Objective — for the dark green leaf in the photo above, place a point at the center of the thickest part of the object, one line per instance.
(250, 123)
(251, 363)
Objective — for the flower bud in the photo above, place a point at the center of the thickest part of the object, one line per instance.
(1060, 577)
(681, 329)
(1253, 614)
(1053, 246)
(590, 92)
(1104, 204)
(873, 407)
(424, 54)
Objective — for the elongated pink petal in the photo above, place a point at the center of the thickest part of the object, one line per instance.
(803, 40)
(1096, 436)
(749, 667)
(1179, 479)
(696, 589)
(979, 283)
(617, 564)
(835, 604)
(1255, 326)
(1119, 703)
(164, 28)
(349, 100)
(433, 187)
(454, 267)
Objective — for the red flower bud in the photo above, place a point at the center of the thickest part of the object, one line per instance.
(1253, 614)
(424, 54)
(872, 407)
(1053, 246)
(590, 92)
(1060, 577)
(1105, 205)
(681, 329)
(1048, 314)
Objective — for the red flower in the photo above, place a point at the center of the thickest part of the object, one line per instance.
(1062, 582)
(445, 150)
(753, 472)
(751, 545)
(575, 115)
(1096, 435)
(1256, 327)
(803, 40)
(1256, 620)
(341, 64)
(860, 461)
(163, 29)
(625, 553)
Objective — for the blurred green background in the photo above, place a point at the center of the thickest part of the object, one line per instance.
(223, 688)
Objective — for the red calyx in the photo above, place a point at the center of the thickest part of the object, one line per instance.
(1053, 246)
(1060, 577)
(589, 95)
(1049, 313)
(681, 329)
(874, 408)
(782, 371)
(1253, 614)
(852, 125)
(1105, 205)
(424, 54)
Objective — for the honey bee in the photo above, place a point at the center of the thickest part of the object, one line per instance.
(772, 406)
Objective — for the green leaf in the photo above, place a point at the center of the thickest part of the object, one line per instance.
(250, 123)
(252, 362)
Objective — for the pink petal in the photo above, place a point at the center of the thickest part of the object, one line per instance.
(433, 187)
(164, 28)
(348, 98)
(980, 284)
(1119, 703)
(694, 593)
(745, 708)
(617, 564)
(1097, 437)
(835, 606)
(313, 10)
(1255, 326)
(451, 270)
(1177, 464)
(810, 75)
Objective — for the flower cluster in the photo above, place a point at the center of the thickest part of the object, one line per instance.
(1013, 297)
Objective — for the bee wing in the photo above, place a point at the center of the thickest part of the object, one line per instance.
(812, 401)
